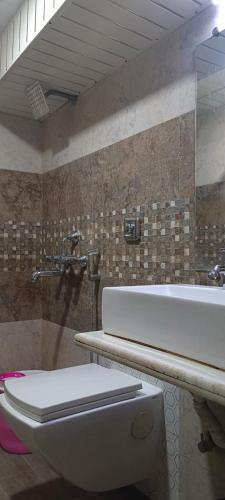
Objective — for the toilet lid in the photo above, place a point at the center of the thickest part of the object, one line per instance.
(59, 393)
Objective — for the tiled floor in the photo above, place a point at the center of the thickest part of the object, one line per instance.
(28, 477)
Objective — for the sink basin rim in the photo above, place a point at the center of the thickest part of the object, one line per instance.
(212, 294)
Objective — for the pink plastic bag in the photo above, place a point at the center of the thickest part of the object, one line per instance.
(8, 440)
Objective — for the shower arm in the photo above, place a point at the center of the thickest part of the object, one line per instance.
(70, 97)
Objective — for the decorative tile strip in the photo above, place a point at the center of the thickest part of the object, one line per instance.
(165, 252)
(208, 243)
(20, 245)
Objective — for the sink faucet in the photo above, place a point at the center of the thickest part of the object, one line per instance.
(218, 274)
(46, 274)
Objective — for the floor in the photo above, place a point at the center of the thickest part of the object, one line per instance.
(28, 477)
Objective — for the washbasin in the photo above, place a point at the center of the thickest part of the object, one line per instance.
(186, 320)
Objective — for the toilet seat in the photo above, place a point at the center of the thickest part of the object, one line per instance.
(53, 395)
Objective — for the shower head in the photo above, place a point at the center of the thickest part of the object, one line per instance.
(38, 103)
(38, 99)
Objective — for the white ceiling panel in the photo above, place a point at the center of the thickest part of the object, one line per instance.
(8, 9)
(210, 66)
(84, 42)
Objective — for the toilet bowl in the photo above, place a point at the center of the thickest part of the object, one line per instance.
(99, 428)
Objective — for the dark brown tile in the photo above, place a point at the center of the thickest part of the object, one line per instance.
(20, 196)
(67, 190)
(68, 301)
(187, 176)
(153, 167)
(187, 134)
(19, 298)
(213, 196)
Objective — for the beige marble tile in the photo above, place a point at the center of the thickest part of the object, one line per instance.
(130, 100)
(20, 299)
(58, 349)
(20, 144)
(20, 343)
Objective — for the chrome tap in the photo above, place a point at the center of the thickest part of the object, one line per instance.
(67, 260)
(73, 237)
(47, 274)
(217, 274)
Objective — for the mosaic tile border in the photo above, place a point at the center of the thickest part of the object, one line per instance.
(209, 241)
(165, 250)
(20, 245)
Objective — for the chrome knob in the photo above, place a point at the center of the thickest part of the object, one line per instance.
(74, 237)
(214, 275)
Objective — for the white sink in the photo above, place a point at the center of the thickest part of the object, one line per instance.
(183, 319)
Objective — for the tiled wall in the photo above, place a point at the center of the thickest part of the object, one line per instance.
(150, 175)
(148, 90)
(210, 228)
(20, 244)
(20, 144)
(20, 247)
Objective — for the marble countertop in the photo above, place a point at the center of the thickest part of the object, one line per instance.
(196, 377)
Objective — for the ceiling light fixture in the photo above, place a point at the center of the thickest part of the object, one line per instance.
(217, 2)
(220, 16)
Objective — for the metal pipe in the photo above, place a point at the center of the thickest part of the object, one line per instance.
(70, 97)
(93, 265)
(209, 421)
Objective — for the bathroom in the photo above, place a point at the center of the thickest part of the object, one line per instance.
(133, 148)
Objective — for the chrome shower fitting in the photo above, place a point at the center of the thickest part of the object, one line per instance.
(37, 98)
(67, 260)
(46, 274)
(93, 265)
(64, 261)
(73, 237)
(218, 272)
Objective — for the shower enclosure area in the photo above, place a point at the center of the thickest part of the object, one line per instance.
(28, 231)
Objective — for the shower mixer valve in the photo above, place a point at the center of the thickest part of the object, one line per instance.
(89, 261)
(73, 237)
(67, 260)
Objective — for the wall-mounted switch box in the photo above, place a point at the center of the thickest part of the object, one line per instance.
(132, 229)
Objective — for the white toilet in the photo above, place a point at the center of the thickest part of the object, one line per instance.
(99, 428)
